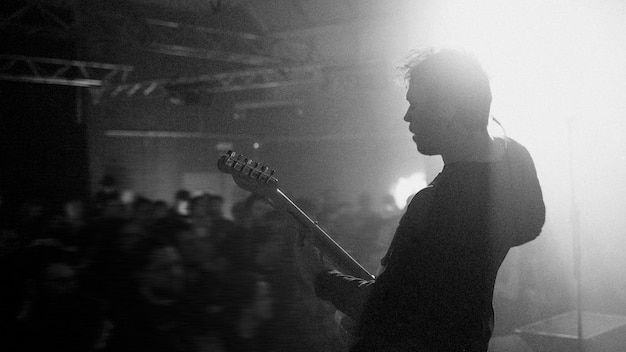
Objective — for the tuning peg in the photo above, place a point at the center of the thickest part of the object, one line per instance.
(271, 177)
(266, 173)
(241, 161)
(263, 177)
(255, 172)
(231, 157)
(247, 168)
(263, 173)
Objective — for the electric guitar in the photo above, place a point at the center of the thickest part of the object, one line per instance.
(260, 179)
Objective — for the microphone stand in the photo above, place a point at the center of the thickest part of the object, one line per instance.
(575, 221)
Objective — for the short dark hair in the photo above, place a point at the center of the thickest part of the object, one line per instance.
(37, 258)
(252, 198)
(167, 229)
(183, 194)
(215, 197)
(142, 251)
(454, 74)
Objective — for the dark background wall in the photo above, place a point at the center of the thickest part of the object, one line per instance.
(351, 142)
(43, 141)
(43, 145)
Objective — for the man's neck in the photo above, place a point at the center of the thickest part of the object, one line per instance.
(476, 147)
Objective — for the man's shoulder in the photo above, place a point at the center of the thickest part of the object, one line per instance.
(419, 204)
(511, 145)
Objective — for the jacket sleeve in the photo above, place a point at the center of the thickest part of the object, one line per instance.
(347, 293)
(529, 211)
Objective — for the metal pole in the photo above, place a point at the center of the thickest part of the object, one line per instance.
(575, 221)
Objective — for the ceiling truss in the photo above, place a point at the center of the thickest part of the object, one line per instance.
(184, 40)
(32, 18)
(155, 35)
(212, 83)
(289, 57)
(61, 72)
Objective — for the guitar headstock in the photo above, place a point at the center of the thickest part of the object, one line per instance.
(248, 174)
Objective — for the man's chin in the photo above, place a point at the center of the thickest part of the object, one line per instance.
(421, 146)
(425, 150)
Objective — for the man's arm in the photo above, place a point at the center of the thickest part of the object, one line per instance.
(347, 293)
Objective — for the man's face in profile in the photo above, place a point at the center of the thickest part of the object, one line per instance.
(424, 118)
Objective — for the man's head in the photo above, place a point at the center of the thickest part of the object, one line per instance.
(257, 208)
(158, 269)
(74, 209)
(194, 248)
(49, 272)
(216, 205)
(108, 183)
(199, 207)
(449, 96)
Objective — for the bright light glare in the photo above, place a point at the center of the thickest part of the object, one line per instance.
(406, 187)
(557, 72)
(559, 85)
(559, 59)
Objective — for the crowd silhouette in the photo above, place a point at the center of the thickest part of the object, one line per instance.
(124, 273)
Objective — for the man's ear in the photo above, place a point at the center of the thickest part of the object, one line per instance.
(447, 110)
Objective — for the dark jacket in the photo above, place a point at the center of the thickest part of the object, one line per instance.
(436, 292)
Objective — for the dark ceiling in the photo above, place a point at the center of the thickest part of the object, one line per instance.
(264, 54)
(191, 37)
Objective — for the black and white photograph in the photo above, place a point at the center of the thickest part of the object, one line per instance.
(313, 175)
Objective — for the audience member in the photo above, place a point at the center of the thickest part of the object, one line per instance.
(54, 314)
(154, 316)
(181, 278)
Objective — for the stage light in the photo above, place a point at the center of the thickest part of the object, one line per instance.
(555, 59)
(557, 74)
(406, 187)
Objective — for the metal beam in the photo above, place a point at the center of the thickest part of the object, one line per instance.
(156, 35)
(239, 81)
(333, 137)
(267, 104)
(213, 83)
(32, 18)
(185, 40)
(262, 140)
(356, 26)
(174, 134)
(61, 72)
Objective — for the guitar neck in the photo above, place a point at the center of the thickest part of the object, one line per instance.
(259, 179)
(329, 247)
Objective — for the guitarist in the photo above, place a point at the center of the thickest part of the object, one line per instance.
(435, 288)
